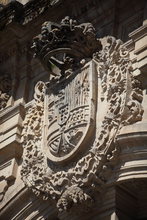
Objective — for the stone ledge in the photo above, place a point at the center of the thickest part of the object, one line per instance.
(10, 135)
(132, 158)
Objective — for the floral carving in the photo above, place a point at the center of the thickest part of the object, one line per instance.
(73, 195)
(120, 98)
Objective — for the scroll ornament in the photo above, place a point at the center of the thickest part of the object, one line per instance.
(120, 97)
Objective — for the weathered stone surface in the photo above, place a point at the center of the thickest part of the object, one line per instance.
(5, 90)
(116, 183)
(69, 143)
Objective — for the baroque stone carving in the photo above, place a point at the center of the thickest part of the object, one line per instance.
(70, 132)
(5, 89)
(65, 45)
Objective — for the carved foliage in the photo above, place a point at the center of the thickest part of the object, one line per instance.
(121, 100)
(5, 90)
(32, 137)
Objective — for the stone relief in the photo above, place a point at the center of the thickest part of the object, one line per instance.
(5, 90)
(70, 114)
(70, 133)
(66, 45)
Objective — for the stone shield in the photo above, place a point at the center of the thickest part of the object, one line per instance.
(70, 114)
(70, 132)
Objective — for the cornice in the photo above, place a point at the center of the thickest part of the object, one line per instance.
(23, 14)
(138, 33)
(10, 112)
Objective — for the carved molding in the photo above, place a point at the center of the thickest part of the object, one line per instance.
(114, 98)
(8, 173)
(14, 11)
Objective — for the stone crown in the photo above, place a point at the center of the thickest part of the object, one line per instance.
(76, 40)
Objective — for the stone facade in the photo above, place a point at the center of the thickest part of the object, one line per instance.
(73, 115)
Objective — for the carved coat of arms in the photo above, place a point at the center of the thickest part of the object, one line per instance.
(70, 132)
(70, 114)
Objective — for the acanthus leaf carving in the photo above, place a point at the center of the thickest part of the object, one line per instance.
(57, 126)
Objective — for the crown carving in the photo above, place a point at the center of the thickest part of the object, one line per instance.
(70, 133)
(65, 45)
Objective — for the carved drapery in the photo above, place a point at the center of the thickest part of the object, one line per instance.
(69, 135)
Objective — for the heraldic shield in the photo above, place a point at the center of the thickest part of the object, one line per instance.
(70, 132)
(70, 113)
